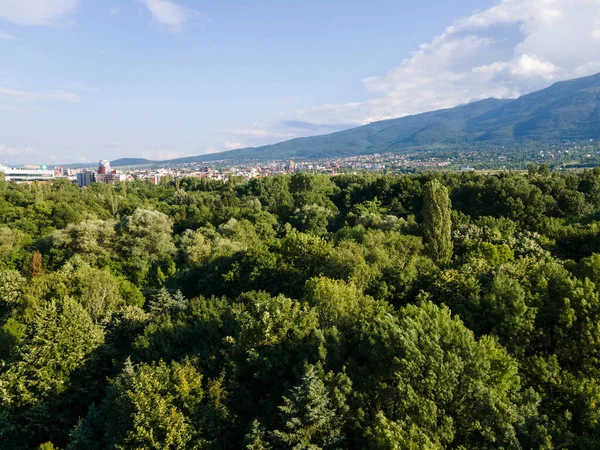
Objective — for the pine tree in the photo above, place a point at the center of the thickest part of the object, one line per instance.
(37, 400)
(161, 302)
(256, 438)
(437, 224)
(154, 406)
(314, 412)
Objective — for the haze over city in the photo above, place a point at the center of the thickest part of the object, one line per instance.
(82, 80)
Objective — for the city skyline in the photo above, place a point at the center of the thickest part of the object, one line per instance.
(82, 81)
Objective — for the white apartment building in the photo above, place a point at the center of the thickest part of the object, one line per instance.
(27, 175)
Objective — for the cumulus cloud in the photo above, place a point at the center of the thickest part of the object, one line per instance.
(35, 12)
(513, 48)
(531, 67)
(167, 13)
(115, 144)
(5, 35)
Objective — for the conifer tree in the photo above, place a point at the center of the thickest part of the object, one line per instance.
(437, 224)
(314, 413)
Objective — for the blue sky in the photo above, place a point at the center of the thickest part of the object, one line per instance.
(82, 80)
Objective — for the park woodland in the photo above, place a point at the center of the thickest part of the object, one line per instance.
(304, 311)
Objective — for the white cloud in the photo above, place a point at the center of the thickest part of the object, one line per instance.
(114, 10)
(35, 12)
(12, 151)
(115, 144)
(530, 66)
(515, 47)
(167, 13)
(5, 35)
(18, 96)
(526, 66)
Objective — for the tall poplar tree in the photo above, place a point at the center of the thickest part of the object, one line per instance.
(437, 225)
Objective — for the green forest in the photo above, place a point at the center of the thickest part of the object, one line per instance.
(426, 311)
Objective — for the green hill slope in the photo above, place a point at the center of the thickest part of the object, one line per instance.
(566, 111)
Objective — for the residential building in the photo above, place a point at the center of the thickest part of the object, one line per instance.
(85, 178)
(104, 167)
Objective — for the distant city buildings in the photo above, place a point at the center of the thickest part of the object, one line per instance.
(225, 170)
(291, 166)
(28, 173)
(104, 167)
(104, 174)
(85, 178)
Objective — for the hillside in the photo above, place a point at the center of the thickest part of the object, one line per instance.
(125, 162)
(568, 111)
(565, 111)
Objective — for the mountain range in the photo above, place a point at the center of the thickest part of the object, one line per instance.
(567, 111)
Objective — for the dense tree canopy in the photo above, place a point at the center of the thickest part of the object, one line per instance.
(302, 312)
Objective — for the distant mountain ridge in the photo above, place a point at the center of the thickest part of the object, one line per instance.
(124, 162)
(566, 111)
